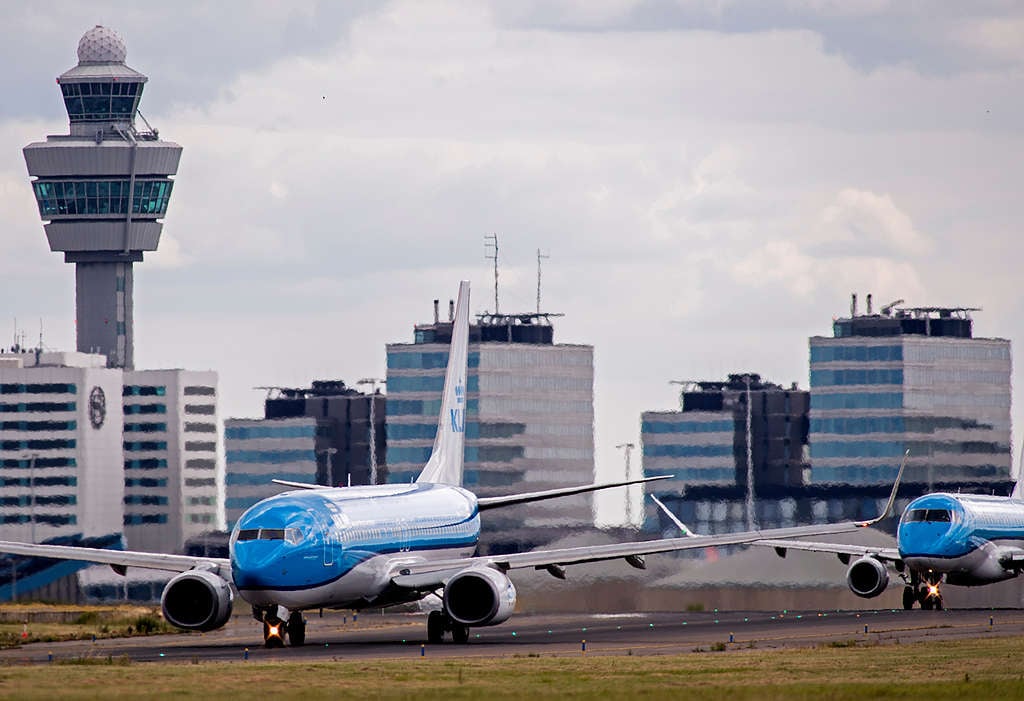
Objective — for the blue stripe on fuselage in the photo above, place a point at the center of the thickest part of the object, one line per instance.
(342, 528)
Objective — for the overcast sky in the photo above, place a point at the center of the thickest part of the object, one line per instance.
(710, 179)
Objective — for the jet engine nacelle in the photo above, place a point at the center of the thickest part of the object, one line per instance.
(479, 596)
(867, 577)
(197, 600)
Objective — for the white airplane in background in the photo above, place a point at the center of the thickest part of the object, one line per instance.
(360, 547)
(964, 540)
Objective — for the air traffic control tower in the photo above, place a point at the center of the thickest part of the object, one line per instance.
(102, 190)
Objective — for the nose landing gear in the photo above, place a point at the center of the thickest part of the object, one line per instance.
(925, 591)
(275, 629)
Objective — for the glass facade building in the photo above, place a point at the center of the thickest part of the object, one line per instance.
(260, 450)
(529, 420)
(910, 379)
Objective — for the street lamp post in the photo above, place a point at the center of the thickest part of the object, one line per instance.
(628, 448)
(373, 382)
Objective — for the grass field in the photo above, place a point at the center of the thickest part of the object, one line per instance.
(33, 623)
(979, 669)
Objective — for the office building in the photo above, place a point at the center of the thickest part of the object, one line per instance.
(102, 190)
(529, 419)
(61, 475)
(910, 378)
(173, 465)
(318, 434)
(722, 432)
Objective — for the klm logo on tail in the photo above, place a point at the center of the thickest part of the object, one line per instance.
(458, 414)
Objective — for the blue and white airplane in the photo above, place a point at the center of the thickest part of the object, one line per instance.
(963, 540)
(360, 547)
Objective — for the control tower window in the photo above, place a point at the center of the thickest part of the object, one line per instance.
(101, 197)
(98, 102)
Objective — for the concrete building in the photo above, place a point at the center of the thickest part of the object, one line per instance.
(61, 475)
(910, 378)
(529, 419)
(102, 190)
(173, 464)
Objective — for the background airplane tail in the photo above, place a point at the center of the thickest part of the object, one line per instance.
(445, 463)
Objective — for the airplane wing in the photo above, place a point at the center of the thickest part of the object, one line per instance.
(845, 552)
(120, 559)
(427, 574)
(485, 503)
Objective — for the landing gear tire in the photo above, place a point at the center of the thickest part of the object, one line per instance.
(435, 627)
(938, 604)
(926, 601)
(909, 597)
(273, 632)
(460, 634)
(296, 629)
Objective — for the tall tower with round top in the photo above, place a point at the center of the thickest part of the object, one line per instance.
(102, 190)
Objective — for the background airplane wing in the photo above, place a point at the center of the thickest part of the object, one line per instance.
(845, 552)
(119, 559)
(429, 574)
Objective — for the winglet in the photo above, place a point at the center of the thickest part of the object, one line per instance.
(892, 497)
(679, 524)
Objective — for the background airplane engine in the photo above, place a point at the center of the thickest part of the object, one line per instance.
(479, 597)
(197, 600)
(867, 577)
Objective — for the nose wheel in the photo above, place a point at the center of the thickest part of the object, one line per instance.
(275, 628)
(925, 592)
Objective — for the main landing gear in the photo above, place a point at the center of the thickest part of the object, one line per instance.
(925, 591)
(439, 623)
(275, 628)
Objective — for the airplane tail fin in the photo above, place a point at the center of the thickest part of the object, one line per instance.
(445, 463)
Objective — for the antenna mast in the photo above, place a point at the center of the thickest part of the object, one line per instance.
(491, 241)
(539, 257)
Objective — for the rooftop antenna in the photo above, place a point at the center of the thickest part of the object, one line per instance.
(491, 241)
(539, 257)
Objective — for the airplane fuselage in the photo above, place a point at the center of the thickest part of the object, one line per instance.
(339, 547)
(968, 538)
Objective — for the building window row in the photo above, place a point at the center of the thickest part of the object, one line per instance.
(426, 383)
(144, 391)
(857, 354)
(100, 197)
(145, 499)
(201, 501)
(424, 407)
(205, 446)
(862, 400)
(144, 519)
(49, 444)
(145, 428)
(200, 391)
(47, 388)
(48, 519)
(38, 425)
(426, 361)
(201, 464)
(200, 482)
(145, 464)
(200, 428)
(696, 474)
(66, 481)
(717, 426)
(245, 433)
(270, 456)
(247, 479)
(145, 482)
(200, 518)
(42, 407)
(145, 409)
(931, 352)
(205, 409)
(145, 445)
(872, 376)
(687, 451)
(40, 462)
(40, 500)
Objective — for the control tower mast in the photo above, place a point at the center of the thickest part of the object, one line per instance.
(102, 190)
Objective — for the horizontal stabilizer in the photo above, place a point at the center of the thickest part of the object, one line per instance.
(494, 502)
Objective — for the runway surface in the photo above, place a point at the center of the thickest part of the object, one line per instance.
(337, 636)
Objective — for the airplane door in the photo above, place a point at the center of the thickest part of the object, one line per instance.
(326, 534)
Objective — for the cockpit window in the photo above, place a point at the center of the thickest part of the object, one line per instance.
(292, 535)
(930, 515)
